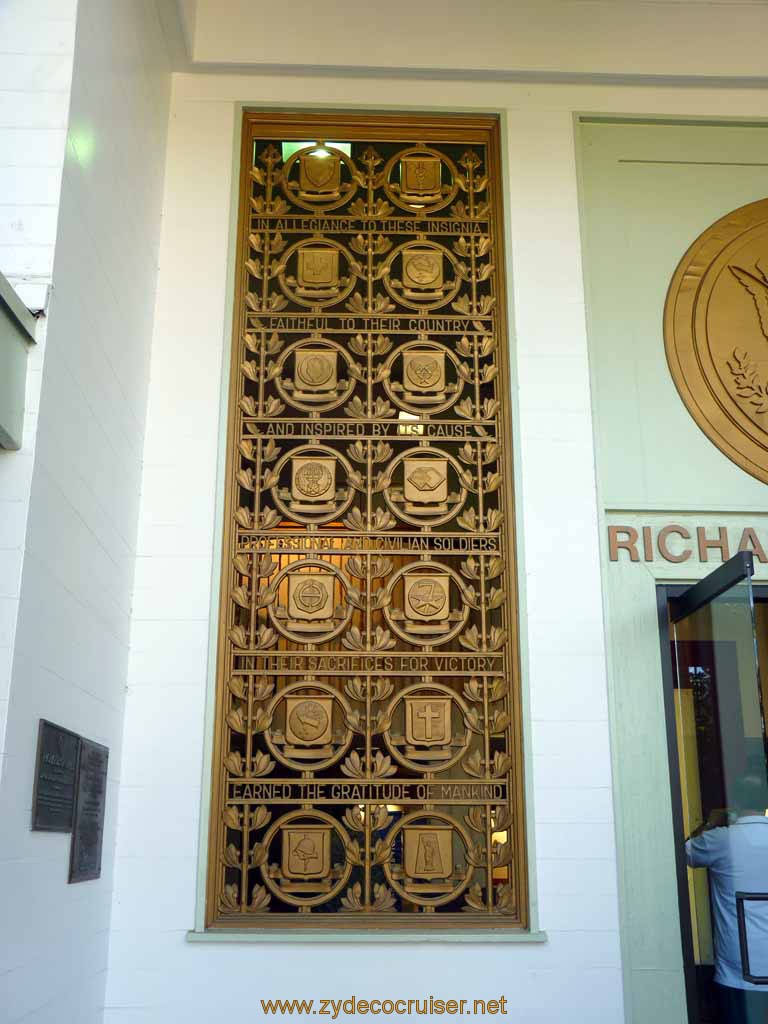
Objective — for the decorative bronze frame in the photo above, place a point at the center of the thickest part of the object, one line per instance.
(470, 869)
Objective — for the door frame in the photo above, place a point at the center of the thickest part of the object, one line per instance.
(697, 594)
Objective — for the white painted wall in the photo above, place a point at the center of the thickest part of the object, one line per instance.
(502, 37)
(76, 580)
(154, 974)
(37, 40)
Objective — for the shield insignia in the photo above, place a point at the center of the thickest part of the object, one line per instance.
(428, 851)
(428, 721)
(318, 268)
(425, 480)
(306, 851)
(319, 172)
(420, 175)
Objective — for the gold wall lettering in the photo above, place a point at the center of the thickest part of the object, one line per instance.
(368, 758)
(716, 335)
(673, 542)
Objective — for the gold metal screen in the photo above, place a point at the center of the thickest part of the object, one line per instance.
(367, 759)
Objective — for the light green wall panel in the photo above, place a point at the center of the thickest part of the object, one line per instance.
(648, 192)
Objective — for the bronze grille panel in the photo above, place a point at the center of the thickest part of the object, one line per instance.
(368, 756)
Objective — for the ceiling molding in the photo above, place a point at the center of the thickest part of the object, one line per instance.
(478, 75)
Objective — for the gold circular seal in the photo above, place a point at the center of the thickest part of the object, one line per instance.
(716, 335)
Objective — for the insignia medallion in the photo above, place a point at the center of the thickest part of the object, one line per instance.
(302, 871)
(426, 597)
(307, 725)
(428, 851)
(422, 272)
(311, 272)
(306, 855)
(420, 179)
(310, 596)
(423, 376)
(716, 335)
(326, 178)
(319, 175)
(428, 725)
(313, 479)
(421, 281)
(426, 605)
(318, 273)
(313, 496)
(315, 371)
(314, 378)
(308, 720)
(425, 483)
(428, 721)
(313, 483)
(423, 370)
(316, 609)
(424, 487)
(425, 870)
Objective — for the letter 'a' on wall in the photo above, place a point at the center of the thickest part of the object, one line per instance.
(367, 766)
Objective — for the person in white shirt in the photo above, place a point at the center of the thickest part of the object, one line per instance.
(737, 859)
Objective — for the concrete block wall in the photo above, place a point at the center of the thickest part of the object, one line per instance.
(76, 579)
(37, 41)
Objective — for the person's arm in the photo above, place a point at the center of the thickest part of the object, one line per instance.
(702, 850)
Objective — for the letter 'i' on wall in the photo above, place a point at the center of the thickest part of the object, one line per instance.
(367, 766)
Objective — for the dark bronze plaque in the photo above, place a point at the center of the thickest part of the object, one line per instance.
(88, 832)
(368, 757)
(53, 802)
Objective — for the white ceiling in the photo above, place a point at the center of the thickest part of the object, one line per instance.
(617, 38)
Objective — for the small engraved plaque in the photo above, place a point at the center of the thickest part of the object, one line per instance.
(53, 802)
(90, 803)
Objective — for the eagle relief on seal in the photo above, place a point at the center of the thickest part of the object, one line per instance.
(716, 335)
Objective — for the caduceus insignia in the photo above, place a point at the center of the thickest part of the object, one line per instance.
(757, 286)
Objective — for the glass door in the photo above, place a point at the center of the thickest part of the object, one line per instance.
(722, 774)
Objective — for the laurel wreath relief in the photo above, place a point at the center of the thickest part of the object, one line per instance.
(749, 386)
